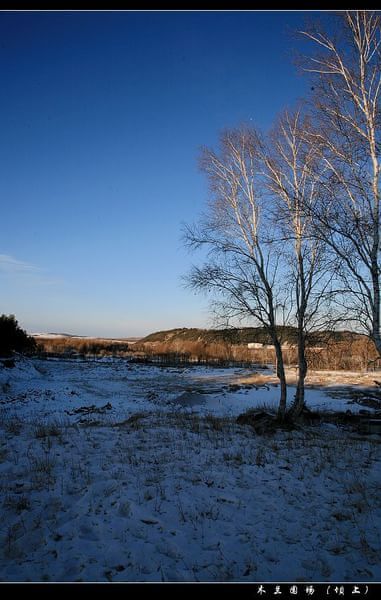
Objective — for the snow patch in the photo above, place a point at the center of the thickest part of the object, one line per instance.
(117, 472)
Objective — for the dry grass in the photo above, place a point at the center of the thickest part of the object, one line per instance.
(86, 347)
(353, 354)
(45, 429)
(315, 378)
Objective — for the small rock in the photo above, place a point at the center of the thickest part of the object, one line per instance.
(149, 521)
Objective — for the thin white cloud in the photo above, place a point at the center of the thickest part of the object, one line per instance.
(9, 264)
(19, 270)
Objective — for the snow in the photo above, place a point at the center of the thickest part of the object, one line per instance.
(111, 471)
(53, 336)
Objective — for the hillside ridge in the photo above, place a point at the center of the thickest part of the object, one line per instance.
(243, 335)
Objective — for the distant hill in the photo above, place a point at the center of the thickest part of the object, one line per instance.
(69, 336)
(243, 335)
(53, 335)
(232, 336)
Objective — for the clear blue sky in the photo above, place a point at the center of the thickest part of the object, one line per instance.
(102, 116)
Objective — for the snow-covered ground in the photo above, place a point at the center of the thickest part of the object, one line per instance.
(111, 471)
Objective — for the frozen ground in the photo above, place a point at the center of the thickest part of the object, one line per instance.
(117, 472)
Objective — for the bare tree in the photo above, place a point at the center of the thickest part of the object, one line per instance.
(346, 82)
(293, 178)
(243, 259)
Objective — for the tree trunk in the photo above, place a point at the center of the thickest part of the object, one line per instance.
(298, 403)
(302, 299)
(282, 380)
(374, 258)
(376, 335)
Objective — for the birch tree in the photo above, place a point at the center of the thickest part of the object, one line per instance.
(242, 267)
(346, 72)
(293, 179)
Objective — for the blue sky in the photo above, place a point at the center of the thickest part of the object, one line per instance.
(102, 115)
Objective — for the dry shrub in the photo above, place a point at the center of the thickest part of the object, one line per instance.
(356, 354)
(68, 346)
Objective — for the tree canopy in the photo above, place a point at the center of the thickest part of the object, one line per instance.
(13, 338)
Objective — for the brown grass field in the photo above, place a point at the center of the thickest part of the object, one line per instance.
(357, 354)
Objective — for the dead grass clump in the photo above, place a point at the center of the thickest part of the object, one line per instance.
(216, 423)
(17, 503)
(42, 470)
(13, 425)
(47, 429)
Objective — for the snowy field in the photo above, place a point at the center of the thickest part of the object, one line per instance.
(111, 471)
